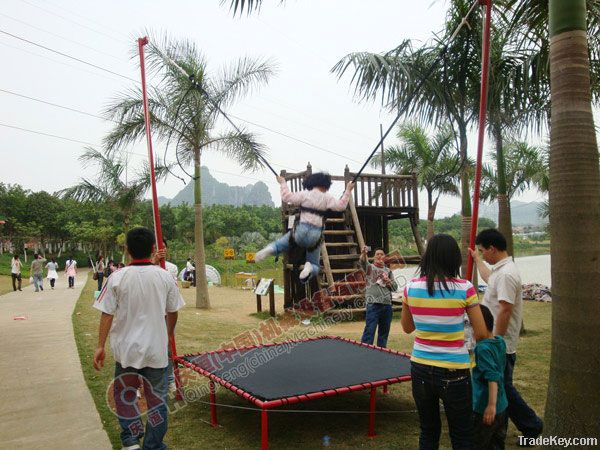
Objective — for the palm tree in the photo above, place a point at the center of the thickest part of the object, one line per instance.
(573, 404)
(436, 164)
(450, 92)
(188, 116)
(522, 165)
(109, 186)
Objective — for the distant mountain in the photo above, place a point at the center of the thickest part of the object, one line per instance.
(522, 213)
(216, 193)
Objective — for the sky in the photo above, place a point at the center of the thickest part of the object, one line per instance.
(304, 114)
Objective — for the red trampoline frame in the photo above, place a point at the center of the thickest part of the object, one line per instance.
(266, 405)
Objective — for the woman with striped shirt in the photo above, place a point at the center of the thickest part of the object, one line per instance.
(434, 305)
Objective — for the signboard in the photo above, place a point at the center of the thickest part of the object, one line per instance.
(229, 253)
(250, 258)
(263, 286)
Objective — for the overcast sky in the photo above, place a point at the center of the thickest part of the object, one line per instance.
(304, 100)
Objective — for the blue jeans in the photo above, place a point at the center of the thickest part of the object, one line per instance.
(127, 381)
(38, 282)
(306, 236)
(430, 384)
(524, 418)
(100, 280)
(378, 316)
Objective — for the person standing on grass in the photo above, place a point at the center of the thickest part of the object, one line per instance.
(15, 272)
(100, 271)
(71, 271)
(503, 298)
(378, 296)
(134, 303)
(37, 272)
(52, 275)
(434, 305)
(489, 397)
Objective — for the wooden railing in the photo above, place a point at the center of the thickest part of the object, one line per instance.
(371, 190)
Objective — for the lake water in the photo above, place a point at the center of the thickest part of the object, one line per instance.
(533, 269)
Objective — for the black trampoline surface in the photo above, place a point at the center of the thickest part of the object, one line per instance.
(297, 368)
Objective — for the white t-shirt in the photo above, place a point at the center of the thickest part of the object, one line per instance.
(504, 284)
(190, 267)
(172, 269)
(16, 266)
(139, 297)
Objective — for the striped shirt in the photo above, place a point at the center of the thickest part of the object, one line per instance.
(440, 331)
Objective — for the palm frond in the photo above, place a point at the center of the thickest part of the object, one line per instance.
(242, 147)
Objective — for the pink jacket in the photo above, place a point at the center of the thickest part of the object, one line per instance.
(314, 199)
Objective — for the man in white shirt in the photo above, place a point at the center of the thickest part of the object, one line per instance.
(145, 291)
(191, 271)
(503, 298)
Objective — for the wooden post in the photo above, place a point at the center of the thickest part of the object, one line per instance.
(327, 265)
(272, 299)
(417, 235)
(355, 221)
(382, 151)
(258, 303)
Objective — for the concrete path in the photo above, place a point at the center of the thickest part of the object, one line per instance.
(45, 403)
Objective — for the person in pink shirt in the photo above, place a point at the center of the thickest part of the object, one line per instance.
(71, 271)
(313, 201)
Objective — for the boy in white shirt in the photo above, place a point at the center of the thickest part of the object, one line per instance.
(140, 290)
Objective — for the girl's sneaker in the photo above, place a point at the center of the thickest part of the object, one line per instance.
(306, 271)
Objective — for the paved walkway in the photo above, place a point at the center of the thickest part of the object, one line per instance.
(45, 403)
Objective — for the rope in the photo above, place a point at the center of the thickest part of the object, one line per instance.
(412, 95)
(200, 89)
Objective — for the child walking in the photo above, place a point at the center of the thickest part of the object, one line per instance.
(489, 396)
(313, 201)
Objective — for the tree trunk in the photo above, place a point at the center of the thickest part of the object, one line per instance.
(504, 216)
(430, 214)
(202, 300)
(465, 231)
(573, 401)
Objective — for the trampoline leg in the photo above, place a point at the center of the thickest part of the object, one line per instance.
(265, 430)
(372, 413)
(213, 407)
(385, 389)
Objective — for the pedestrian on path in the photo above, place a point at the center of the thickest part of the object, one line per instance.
(71, 271)
(37, 272)
(52, 267)
(139, 291)
(100, 271)
(15, 272)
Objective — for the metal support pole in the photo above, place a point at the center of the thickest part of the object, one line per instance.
(264, 430)
(213, 407)
(372, 413)
(485, 67)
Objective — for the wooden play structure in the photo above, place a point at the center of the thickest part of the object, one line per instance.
(375, 201)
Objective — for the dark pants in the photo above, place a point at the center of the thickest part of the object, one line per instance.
(431, 384)
(378, 317)
(16, 277)
(52, 281)
(71, 282)
(524, 418)
(100, 280)
(127, 381)
(490, 437)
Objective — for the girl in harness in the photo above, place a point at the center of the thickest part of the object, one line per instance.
(314, 201)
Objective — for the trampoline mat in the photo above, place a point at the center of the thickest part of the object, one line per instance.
(296, 368)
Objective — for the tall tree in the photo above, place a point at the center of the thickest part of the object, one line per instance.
(449, 92)
(110, 187)
(433, 159)
(573, 405)
(522, 165)
(182, 114)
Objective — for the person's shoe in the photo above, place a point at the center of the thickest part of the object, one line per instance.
(306, 271)
(262, 254)
(132, 447)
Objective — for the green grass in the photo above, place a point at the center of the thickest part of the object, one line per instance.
(233, 312)
(6, 283)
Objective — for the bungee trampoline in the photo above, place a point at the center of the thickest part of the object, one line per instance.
(274, 375)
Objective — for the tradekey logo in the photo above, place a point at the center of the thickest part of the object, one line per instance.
(557, 441)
